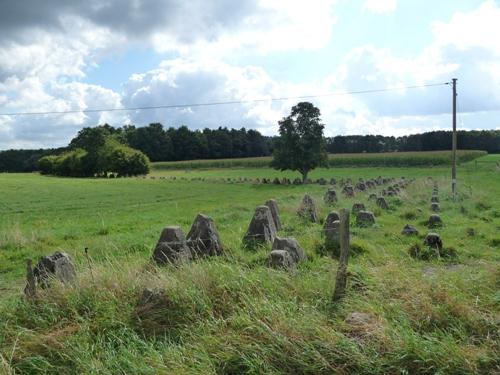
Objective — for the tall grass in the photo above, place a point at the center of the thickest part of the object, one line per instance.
(232, 314)
(222, 317)
(386, 159)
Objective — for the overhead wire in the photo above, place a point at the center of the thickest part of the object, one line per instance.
(216, 103)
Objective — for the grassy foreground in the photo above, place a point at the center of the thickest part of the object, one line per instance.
(381, 159)
(232, 314)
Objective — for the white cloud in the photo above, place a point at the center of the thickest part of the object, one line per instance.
(44, 58)
(41, 74)
(34, 131)
(189, 82)
(380, 6)
(274, 26)
(50, 56)
(464, 47)
(479, 28)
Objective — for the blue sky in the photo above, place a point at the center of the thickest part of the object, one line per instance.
(58, 55)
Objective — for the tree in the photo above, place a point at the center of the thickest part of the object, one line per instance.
(256, 144)
(300, 146)
(91, 140)
(152, 140)
(185, 143)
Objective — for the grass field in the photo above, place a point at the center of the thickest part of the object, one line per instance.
(382, 159)
(232, 314)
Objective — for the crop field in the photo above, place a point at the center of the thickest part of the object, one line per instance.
(233, 314)
(383, 159)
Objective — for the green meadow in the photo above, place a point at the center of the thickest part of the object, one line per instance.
(233, 314)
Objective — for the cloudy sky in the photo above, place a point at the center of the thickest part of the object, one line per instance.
(59, 55)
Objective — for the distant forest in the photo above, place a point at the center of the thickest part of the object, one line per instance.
(173, 144)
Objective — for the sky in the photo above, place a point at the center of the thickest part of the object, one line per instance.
(59, 55)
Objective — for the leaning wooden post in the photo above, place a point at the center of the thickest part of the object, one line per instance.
(30, 289)
(90, 264)
(341, 279)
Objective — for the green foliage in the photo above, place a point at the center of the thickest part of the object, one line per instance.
(24, 160)
(110, 157)
(70, 163)
(91, 139)
(123, 160)
(46, 164)
(301, 145)
(152, 140)
(184, 144)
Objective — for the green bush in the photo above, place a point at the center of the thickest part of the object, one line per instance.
(113, 157)
(123, 160)
(46, 164)
(71, 163)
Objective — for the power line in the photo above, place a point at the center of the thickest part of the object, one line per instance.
(208, 104)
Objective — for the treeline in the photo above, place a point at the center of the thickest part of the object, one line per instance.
(175, 144)
(486, 140)
(24, 160)
(125, 150)
(156, 142)
(178, 144)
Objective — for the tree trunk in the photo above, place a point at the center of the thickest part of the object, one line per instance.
(304, 176)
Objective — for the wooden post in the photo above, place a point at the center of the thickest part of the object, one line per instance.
(88, 262)
(30, 289)
(454, 142)
(341, 279)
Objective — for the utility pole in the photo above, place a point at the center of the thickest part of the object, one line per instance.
(454, 142)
